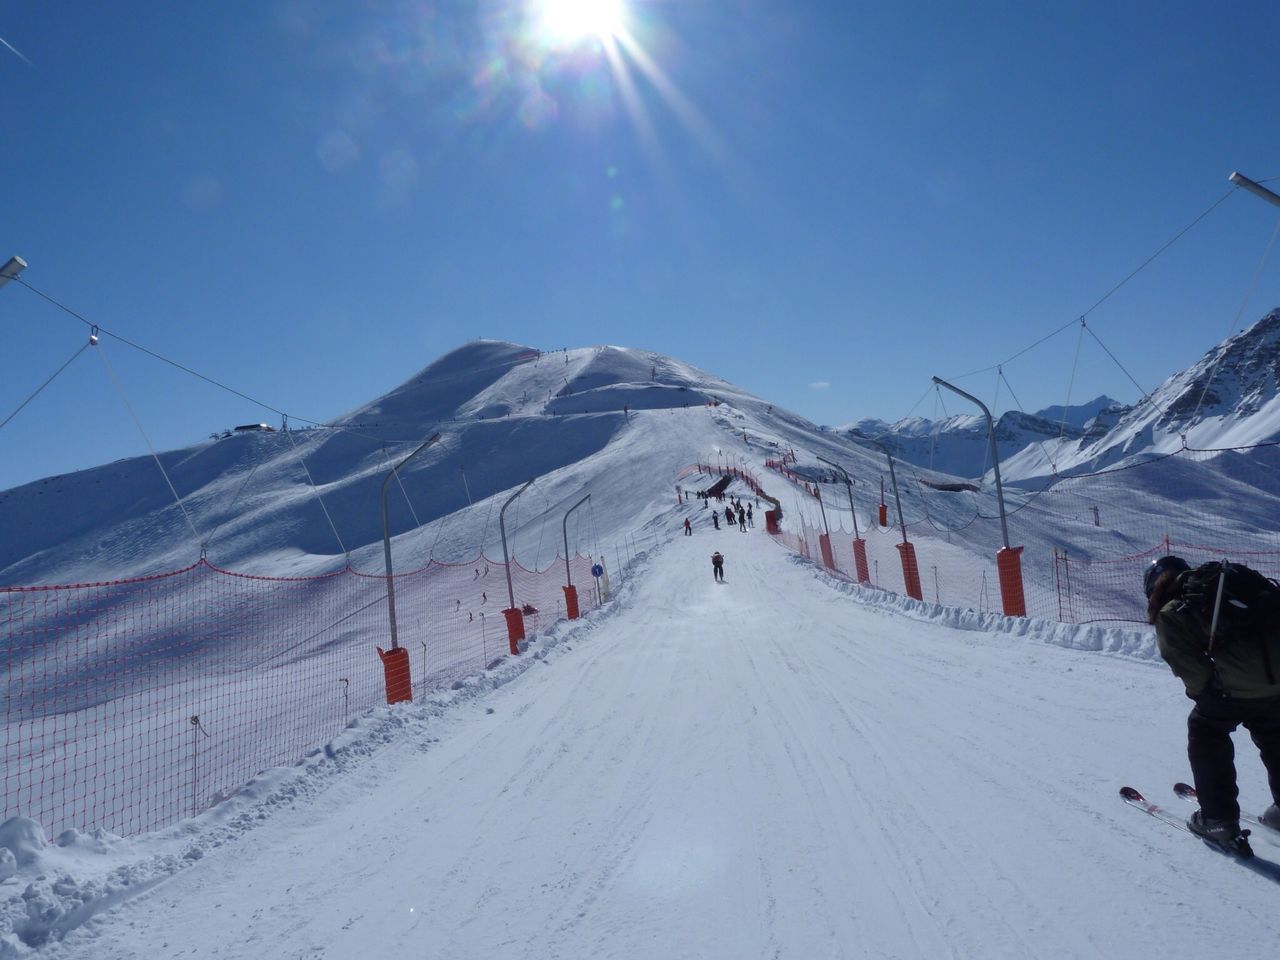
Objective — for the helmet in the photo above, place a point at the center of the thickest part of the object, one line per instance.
(1158, 567)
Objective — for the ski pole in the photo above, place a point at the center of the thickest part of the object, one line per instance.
(1217, 607)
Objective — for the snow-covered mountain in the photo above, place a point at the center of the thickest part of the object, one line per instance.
(299, 502)
(1229, 398)
(958, 444)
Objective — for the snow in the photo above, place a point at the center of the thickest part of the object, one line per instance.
(778, 766)
(785, 765)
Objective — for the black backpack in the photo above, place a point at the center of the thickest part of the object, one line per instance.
(1248, 612)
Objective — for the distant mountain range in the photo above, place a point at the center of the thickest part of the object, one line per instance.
(1229, 398)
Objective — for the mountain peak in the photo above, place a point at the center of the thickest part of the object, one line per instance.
(1235, 379)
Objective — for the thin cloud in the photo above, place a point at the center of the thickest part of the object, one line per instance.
(16, 52)
(820, 385)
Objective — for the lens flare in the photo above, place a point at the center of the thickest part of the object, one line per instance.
(571, 21)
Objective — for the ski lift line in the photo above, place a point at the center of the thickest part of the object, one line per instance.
(84, 346)
(1033, 497)
(1145, 395)
(949, 529)
(234, 500)
(232, 390)
(405, 493)
(542, 529)
(914, 405)
(151, 353)
(1024, 350)
(488, 517)
(111, 374)
(441, 523)
(937, 423)
(928, 515)
(1106, 296)
(1023, 409)
(1071, 381)
(1249, 292)
(595, 529)
(316, 491)
(277, 654)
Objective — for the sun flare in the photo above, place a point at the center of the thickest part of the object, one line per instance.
(569, 21)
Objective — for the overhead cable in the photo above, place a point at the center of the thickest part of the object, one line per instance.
(1106, 296)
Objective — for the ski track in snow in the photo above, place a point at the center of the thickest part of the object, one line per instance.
(765, 768)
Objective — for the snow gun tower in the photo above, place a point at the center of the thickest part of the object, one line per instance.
(570, 591)
(395, 662)
(515, 617)
(859, 545)
(1008, 559)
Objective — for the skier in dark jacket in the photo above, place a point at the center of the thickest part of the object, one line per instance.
(1229, 689)
(717, 566)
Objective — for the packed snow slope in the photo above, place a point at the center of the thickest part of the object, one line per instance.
(779, 766)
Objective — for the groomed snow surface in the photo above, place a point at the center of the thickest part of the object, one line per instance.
(779, 766)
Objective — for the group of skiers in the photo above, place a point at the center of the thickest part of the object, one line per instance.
(735, 514)
(1227, 655)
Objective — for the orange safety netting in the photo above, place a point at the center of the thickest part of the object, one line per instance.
(131, 704)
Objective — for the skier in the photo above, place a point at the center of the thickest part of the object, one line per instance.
(750, 518)
(742, 520)
(717, 566)
(715, 518)
(688, 528)
(1229, 688)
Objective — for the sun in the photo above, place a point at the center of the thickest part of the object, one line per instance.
(570, 21)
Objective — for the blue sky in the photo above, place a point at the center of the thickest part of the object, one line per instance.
(827, 203)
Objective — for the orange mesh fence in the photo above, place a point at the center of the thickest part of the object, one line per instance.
(131, 704)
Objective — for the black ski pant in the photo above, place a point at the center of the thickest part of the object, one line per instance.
(1212, 754)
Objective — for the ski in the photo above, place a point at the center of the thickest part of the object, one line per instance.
(1133, 798)
(1187, 792)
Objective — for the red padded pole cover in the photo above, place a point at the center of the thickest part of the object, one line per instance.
(395, 667)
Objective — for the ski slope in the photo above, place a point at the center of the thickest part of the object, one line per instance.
(779, 766)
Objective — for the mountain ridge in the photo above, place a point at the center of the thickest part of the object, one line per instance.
(1229, 398)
